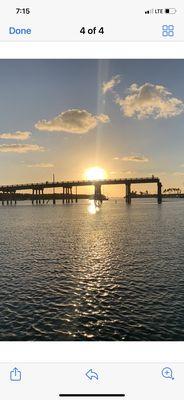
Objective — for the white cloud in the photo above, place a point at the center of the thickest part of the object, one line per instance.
(103, 118)
(135, 158)
(108, 86)
(150, 100)
(40, 165)
(161, 173)
(72, 121)
(178, 173)
(20, 148)
(121, 173)
(18, 135)
(127, 173)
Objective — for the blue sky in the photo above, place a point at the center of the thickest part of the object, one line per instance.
(64, 116)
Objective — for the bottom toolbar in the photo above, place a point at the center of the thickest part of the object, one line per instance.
(99, 381)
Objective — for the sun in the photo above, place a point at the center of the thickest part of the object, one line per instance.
(95, 174)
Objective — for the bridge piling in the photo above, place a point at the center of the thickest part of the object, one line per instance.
(76, 199)
(128, 192)
(159, 191)
(71, 195)
(14, 198)
(54, 197)
(32, 196)
(67, 194)
(43, 200)
(36, 196)
(98, 192)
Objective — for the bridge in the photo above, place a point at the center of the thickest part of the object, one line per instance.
(36, 192)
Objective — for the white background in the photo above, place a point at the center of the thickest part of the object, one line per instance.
(94, 50)
(165, 352)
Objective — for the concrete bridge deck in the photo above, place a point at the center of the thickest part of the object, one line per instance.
(61, 184)
(67, 195)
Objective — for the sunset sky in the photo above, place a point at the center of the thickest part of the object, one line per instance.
(64, 116)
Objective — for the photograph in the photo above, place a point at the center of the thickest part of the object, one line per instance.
(92, 200)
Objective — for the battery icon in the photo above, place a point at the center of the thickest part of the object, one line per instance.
(170, 10)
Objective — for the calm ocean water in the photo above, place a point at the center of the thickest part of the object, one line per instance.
(67, 274)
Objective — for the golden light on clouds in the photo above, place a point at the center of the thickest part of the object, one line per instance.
(20, 148)
(108, 86)
(72, 121)
(18, 135)
(150, 100)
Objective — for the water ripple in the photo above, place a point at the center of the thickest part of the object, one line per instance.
(114, 275)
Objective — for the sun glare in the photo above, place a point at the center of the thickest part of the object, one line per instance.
(95, 173)
(93, 208)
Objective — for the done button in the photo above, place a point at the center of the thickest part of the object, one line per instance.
(19, 31)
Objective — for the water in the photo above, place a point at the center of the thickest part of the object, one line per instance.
(67, 274)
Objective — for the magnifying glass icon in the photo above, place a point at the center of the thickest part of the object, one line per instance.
(167, 373)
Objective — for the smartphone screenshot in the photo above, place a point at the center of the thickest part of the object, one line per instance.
(91, 200)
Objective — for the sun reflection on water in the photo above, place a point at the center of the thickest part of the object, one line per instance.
(93, 207)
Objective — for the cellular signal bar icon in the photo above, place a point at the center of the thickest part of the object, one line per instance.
(149, 11)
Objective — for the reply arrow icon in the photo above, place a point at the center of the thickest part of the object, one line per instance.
(92, 374)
